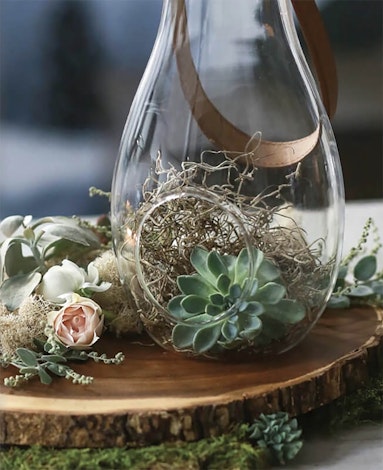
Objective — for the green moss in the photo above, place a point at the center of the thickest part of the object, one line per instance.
(230, 451)
(363, 405)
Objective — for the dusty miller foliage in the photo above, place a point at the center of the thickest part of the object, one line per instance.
(31, 247)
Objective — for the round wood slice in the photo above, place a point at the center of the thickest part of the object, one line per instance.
(157, 396)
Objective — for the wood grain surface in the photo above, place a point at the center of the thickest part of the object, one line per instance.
(157, 395)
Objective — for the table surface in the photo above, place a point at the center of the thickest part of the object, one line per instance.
(360, 448)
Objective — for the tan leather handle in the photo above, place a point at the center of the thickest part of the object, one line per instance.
(216, 127)
(320, 50)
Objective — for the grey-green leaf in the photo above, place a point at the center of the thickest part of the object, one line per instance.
(182, 335)
(361, 291)
(342, 273)
(340, 301)
(229, 331)
(247, 321)
(17, 288)
(230, 261)
(223, 284)
(28, 370)
(206, 338)
(198, 258)
(242, 267)
(271, 293)
(213, 310)
(194, 303)
(267, 272)
(287, 311)
(27, 356)
(73, 233)
(194, 284)
(175, 308)
(217, 299)
(45, 378)
(253, 286)
(377, 287)
(254, 308)
(15, 263)
(216, 265)
(235, 291)
(53, 358)
(57, 369)
(199, 319)
(258, 258)
(365, 268)
(250, 333)
(10, 224)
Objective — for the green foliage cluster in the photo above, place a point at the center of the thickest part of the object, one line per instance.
(258, 310)
(29, 248)
(49, 358)
(360, 283)
(278, 433)
(230, 452)
(365, 405)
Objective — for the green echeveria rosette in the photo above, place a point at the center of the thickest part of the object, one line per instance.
(221, 308)
(278, 433)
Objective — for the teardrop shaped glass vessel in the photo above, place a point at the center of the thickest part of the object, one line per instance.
(227, 197)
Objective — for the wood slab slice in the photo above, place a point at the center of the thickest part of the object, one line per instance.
(157, 396)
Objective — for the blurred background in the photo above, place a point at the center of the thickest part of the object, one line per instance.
(69, 70)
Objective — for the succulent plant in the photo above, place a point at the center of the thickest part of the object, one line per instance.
(279, 434)
(220, 307)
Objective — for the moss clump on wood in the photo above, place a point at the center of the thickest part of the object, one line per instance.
(363, 405)
(231, 451)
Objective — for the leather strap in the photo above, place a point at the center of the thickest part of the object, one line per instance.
(222, 132)
(320, 50)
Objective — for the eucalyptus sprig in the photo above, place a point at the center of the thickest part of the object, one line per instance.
(51, 357)
(359, 281)
(30, 246)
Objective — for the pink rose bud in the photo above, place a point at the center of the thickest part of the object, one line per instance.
(79, 323)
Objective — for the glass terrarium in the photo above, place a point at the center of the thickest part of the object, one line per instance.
(227, 199)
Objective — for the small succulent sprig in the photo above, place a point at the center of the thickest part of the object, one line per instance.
(218, 286)
(51, 357)
(29, 248)
(278, 433)
(360, 282)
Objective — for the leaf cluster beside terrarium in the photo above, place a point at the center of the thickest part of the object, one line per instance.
(221, 307)
(363, 283)
(32, 246)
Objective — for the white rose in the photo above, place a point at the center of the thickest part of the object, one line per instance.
(63, 280)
